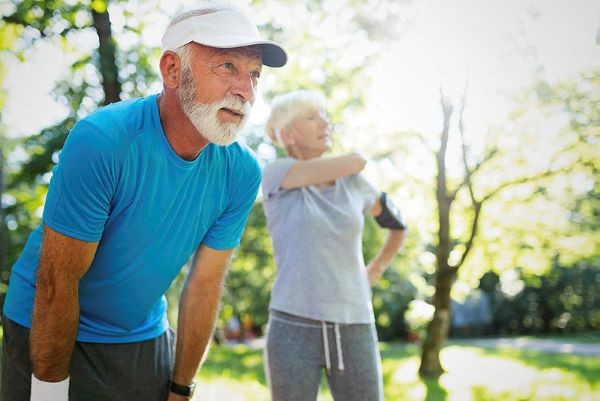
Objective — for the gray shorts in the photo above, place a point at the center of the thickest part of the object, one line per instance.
(298, 350)
(99, 372)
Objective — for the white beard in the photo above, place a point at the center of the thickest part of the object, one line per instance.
(204, 116)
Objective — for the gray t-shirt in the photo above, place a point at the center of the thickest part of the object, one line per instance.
(317, 240)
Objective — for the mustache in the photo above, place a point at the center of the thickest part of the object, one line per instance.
(187, 96)
(233, 103)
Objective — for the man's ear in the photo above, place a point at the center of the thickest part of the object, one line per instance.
(170, 69)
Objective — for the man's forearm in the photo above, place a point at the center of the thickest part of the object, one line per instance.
(197, 313)
(53, 328)
(63, 261)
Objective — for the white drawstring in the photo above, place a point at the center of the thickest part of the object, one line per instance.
(338, 341)
(326, 346)
(338, 344)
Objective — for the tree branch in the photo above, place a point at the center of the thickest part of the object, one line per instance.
(468, 179)
(107, 50)
(421, 138)
(486, 158)
(441, 153)
(443, 200)
(524, 180)
(463, 143)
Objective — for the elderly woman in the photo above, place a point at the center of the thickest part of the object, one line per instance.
(321, 315)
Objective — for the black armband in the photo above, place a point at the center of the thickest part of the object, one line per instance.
(390, 217)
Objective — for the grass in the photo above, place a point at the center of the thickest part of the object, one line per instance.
(473, 374)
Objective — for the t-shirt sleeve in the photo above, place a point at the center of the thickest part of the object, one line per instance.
(227, 231)
(368, 191)
(82, 185)
(273, 175)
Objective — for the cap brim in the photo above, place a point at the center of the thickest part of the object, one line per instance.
(273, 55)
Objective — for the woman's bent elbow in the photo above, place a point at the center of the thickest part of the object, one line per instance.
(359, 161)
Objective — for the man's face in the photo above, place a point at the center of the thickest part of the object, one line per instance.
(218, 88)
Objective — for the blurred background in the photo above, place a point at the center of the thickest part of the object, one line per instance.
(482, 122)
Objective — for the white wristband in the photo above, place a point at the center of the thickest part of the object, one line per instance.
(49, 391)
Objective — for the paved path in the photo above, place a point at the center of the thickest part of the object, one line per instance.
(556, 346)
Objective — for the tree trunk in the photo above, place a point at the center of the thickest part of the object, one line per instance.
(437, 330)
(107, 54)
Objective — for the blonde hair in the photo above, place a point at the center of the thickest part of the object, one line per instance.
(286, 107)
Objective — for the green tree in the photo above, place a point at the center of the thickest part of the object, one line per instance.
(8, 35)
(564, 300)
(102, 75)
(547, 187)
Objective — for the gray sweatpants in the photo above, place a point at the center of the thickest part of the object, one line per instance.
(298, 350)
(99, 372)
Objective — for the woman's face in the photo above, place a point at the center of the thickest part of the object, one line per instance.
(311, 131)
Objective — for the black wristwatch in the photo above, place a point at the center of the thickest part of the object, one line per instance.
(186, 391)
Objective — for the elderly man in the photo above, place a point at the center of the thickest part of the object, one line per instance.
(141, 185)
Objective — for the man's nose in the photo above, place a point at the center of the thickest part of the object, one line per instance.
(245, 88)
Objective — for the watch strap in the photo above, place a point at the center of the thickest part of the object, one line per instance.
(180, 389)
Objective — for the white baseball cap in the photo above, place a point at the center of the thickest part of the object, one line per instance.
(223, 29)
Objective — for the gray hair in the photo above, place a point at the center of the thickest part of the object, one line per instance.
(286, 107)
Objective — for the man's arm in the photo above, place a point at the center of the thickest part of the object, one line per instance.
(380, 262)
(63, 261)
(322, 170)
(197, 311)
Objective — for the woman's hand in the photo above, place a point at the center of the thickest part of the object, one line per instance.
(377, 266)
(374, 271)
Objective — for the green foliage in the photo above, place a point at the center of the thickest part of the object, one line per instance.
(248, 284)
(7, 37)
(553, 206)
(565, 300)
(37, 19)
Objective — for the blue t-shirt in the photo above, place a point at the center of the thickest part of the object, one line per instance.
(120, 183)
